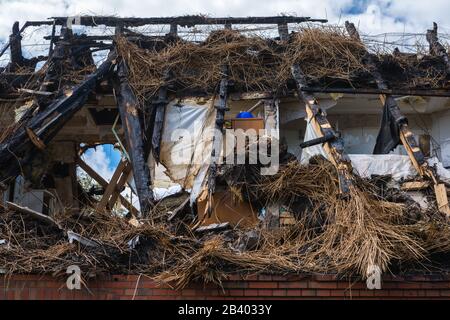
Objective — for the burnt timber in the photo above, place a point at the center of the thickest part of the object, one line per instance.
(53, 105)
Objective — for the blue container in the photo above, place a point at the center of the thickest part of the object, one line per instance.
(244, 115)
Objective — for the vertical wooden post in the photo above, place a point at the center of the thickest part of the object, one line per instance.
(436, 48)
(112, 191)
(283, 31)
(129, 115)
(173, 29)
(217, 138)
(15, 48)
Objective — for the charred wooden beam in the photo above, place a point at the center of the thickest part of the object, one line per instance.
(217, 138)
(160, 111)
(114, 187)
(52, 40)
(60, 52)
(406, 136)
(334, 144)
(185, 21)
(26, 25)
(173, 29)
(436, 48)
(134, 136)
(18, 148)
(16, 47)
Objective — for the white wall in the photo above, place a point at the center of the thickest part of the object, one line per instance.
(441, 135)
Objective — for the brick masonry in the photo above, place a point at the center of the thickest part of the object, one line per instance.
(124, 287)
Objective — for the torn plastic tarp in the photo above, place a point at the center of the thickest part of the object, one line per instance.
(186, 142)
(309, 152)
(389, 135)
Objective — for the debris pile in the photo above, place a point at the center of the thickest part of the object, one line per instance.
(331, 235)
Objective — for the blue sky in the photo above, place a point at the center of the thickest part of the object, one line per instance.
(104, 159)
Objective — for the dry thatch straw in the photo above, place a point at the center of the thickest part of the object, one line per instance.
(353, 234)
(358, 232)
(255, 63)
(325, 52)
(252, 63)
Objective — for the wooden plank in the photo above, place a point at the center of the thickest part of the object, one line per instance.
(34, 214)
(47, 124)
(123, 179)
(179, 209)
(94, 175)
(111, 188)
(415, 185)
(160, 111)
(441, 198)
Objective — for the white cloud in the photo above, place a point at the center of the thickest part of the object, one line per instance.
(377, 16)
(99, 161)
(381, 15)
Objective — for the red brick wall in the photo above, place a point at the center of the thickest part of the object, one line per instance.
(252, 287)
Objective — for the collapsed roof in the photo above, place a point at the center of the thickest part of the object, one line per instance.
(144, 73)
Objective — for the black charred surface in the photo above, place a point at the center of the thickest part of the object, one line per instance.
(18, 149)
(134, 136)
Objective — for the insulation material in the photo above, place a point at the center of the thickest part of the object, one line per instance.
(366, 165)
(399, 166)
(186, 141)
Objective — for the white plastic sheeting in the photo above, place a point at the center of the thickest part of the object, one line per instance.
(399, 166)
(366, 165)
(186, 142)
(309, 152)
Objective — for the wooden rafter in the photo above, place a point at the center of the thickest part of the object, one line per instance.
(115, 186)
(102, 182)
(334, 146)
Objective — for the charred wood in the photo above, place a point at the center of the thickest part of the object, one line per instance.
(134, 136)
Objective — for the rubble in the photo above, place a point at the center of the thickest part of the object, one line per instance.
(315, 214)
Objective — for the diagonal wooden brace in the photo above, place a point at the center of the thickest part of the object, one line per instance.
(322, 127)
(94, 175)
